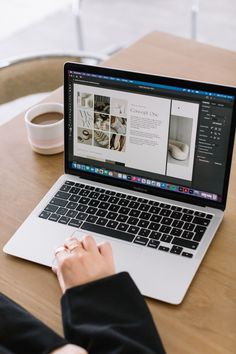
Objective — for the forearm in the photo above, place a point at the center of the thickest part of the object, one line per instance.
(109, 315)
(21, 333)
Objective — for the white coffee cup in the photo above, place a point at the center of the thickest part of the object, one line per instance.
(46, 139)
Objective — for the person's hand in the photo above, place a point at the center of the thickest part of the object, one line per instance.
(69, 349)
(80, 262)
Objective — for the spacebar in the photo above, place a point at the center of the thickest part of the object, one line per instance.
(108, 232)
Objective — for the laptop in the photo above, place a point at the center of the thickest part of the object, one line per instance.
(147, 165)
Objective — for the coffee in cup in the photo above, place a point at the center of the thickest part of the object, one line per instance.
(45, 128)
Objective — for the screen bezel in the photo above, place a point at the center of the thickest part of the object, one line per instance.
(196, 85)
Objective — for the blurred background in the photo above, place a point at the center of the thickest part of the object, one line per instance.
(44, 25)
(103, 26)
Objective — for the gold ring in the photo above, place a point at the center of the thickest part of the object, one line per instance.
(72, 247)
(59, 249)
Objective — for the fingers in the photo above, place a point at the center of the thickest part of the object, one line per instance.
(105, 249)
(90, 244)
(73, 244)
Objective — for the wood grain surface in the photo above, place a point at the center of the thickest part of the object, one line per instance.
(206, 320)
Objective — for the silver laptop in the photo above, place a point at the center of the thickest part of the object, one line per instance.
(147, 164)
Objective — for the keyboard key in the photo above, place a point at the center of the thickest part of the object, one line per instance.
(122, 218)
(74, 190)
(93, 195)
(69, 183)
(188, 211)
(154, 210)
(153, 243)
(81, 216)
(64, 220)
(108, 232)
(111, 215)
(176, 208)
(144, 207)
(124, 210)
(113, 200)
(166, 238)
(156, 218)
(112, 224)
(132, 221)
(84, 200)
(141, 240)
(209, 216)
(133, 205)
(123, 202)
(71, 205)
(122, 227)
(103, 197)
(176, 215)
(186, 254)
(44, 214)
(177, 223)
(199, 213)
(165, 212)
(176, 232)
(143, 223)
(155, 235)
(91, 210)
(101, 212)
(144, 215)
(114, 207)
(179, 241)
(72, 213)
(133, 229)
(93, 202)
(62, 211)
(188, 234)
(82, 207)
(164, 228)
(187, 217)
(102, 221)
(164, 248)
(134, 212)
(153, 226)
(84, 192)
(144, 232)
(92, 219)
(54, 217)
(166, 206)
(51, 208)
(142, 200)
(188, 226)
(199, 232)
(75, 223)
(166, 221)
(65, 188)
(103, 205)
(74, 198)
(201, 221)
(59, 202)
(176, 250)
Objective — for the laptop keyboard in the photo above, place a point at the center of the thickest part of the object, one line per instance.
(166, 227)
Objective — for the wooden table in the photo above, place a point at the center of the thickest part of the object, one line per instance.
(206, 320)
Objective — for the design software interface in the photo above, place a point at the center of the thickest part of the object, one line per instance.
(163, 136)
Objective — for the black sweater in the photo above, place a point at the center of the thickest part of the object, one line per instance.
(105, 316)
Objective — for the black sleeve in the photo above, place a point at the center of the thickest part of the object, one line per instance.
(21, 333)
(110, 316)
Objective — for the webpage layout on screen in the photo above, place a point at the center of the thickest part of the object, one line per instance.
(143, 132)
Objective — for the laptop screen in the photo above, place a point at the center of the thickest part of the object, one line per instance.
(163, 136)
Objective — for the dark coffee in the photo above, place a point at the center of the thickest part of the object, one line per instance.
(47, 118)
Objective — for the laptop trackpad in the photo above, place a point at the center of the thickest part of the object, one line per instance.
(126, 254)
